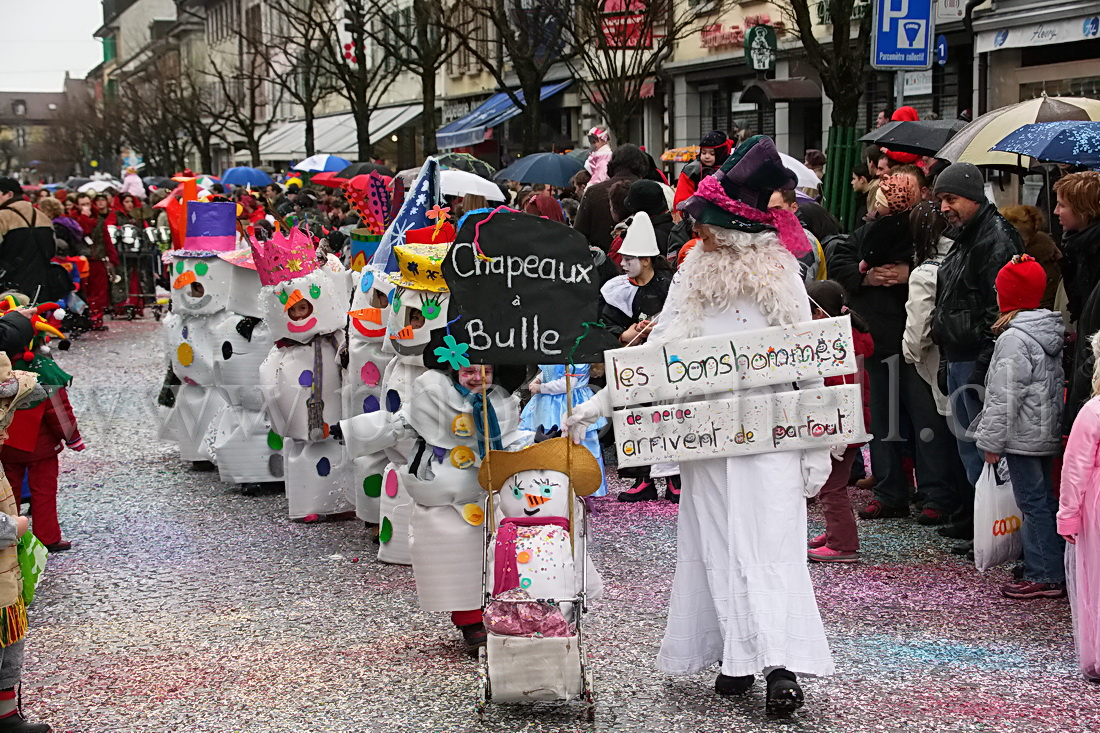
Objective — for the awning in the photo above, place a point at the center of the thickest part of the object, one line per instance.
(471, 129)
(770, 91)
(333, 134)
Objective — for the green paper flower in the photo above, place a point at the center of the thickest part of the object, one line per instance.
(453, 353)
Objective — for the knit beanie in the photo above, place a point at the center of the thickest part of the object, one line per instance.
(648, 196)
(1021, 284)
(962, 179)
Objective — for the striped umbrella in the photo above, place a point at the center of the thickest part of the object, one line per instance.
(972, 144)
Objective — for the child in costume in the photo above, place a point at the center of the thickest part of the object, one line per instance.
(15, 389)
(547, 407)
(1079, 524)
(306, 310)
(200, 292)
(39, 432)
(246, 450)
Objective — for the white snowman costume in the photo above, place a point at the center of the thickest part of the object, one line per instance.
(200, 293)
(531, 503)
(246, 448)
(363, 385)
(416, 293)
(302, 366)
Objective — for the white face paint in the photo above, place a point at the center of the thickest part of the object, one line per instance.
(536, 493)
(632, 266)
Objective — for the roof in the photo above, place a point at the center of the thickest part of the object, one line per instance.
(37, 104)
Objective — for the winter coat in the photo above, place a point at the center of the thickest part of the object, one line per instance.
(1080, 266)
(882, 306)
(865, 348)
(596, 164)
(26, 246)
(1080, 376)
(55, 424)
(594, 218)
(1079, 496)
(1047, 254)
(917, 346)
(966, 292)
(1022, 413)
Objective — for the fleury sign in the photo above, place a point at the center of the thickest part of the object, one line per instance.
(725, 422)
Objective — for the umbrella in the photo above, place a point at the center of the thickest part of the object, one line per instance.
(408, 175)
(98, 186)
(974, 142)
(920, 137)
(549, 168)
(245, 176)
(322, 162)
(363, 169)
(468, 163)
(76, 182)
(1074, 142)
(578, 154)
(158, 182)
(328, 179)
(461, 183)
(681, 155)
(806, 177)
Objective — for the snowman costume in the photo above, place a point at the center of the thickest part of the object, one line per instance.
(742, 594)
(247, 450)
(200, 293)
(301, 374)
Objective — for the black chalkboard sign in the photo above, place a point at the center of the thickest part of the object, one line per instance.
(528, 302)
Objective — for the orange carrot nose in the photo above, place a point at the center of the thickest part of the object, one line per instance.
(184, 280)
(534, 501)
(404, 334)
(374, 315)
(294, 298)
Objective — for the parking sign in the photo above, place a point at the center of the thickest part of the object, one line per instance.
(902, 34)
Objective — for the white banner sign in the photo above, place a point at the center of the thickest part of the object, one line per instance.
(713, 365)
(741, 425)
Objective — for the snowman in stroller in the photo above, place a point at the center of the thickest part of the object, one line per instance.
(537, 575)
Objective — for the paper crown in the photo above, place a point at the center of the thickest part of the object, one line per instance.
(420, 266)
(284, 257)
(211, 227)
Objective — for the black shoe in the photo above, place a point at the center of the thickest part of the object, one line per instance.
(1018, 572)
(474, 636)
(672, 489)
(643, 490)
(60, 546)
(963, 548)
(784, 694)
(203, 466)
(959, 531)
(726, 685)
(18, 724)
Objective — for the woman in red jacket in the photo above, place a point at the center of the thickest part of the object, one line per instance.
(101, 257)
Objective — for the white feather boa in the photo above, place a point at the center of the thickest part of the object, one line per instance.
(744, 265)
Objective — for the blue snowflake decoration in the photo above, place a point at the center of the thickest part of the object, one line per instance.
(453, 353)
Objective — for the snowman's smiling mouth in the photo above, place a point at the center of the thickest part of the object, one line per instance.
(531, 512)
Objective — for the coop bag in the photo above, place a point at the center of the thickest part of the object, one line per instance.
(997, 519)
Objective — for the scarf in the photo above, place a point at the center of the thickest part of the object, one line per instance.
(476, 401)
(505, 571)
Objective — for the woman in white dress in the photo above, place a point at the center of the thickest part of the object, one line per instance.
(742, 594)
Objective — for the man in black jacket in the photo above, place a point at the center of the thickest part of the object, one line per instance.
(966, 307)
(594, 218)
(878, 292)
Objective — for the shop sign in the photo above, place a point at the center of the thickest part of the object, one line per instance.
(860, 9)
(760, 48)
(917, 83)
(717, 36)
(950, 10)
(627, 24)
(456, 110)
(1040, 34)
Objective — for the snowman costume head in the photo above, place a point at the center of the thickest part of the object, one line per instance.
(532, 484)
(420, 301)
(371, 295)
(303, 297)
(200, 278)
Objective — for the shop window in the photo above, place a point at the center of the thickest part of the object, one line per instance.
(1086, 86)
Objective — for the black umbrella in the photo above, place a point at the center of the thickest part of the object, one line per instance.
(466, 162)
(363, 169)
(76, 182)
(920, 137)
(158, 182)
(549, 168)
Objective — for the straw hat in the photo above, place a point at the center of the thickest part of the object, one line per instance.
(549, 455)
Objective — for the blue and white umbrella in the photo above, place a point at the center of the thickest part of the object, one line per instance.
(322, 162)
(1073, 141)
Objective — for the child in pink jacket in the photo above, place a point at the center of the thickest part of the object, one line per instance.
(1079, 523)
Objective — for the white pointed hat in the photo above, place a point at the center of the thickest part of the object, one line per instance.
(640, 239)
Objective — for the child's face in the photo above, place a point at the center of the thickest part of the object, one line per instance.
(706, 156)
(471, 377)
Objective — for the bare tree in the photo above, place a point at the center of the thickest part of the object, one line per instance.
(293, 54)
(360, 79)
(241, 92)
(87, 131)
(416, 38)
(148, 104)
(199, 114)
(621, 45)
(528, 37)
(841, 64)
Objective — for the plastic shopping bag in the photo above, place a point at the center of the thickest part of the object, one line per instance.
(32, 556)
(997, 519)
